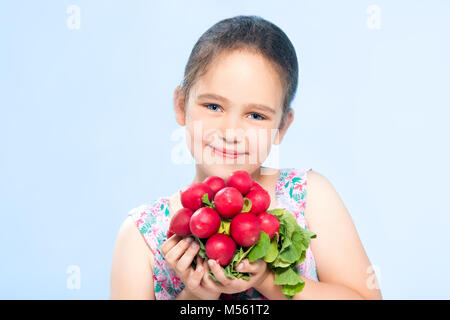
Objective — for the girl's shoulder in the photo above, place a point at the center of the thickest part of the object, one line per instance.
(320, 191)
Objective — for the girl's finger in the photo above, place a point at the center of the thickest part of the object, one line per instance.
(208, 283)
(170, 243)
(246, 266)
(178, 250)
(218, 272)
(186, 259)
(199, 260)
(194, 280)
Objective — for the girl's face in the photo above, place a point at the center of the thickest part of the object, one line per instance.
(233, 114)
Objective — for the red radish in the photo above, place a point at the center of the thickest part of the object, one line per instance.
(269, 223)
(245, 229)
(204, 222)
(215, 183)
(221, 248)
(169, 234)
(255, 186)
(260, 200)
(191, 196)
(228, 202)
(240, 180)
(179, 224)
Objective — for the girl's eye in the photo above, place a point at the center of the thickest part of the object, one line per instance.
(258, 116)
(214, 107)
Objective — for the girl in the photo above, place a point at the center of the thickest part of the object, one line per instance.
(238, 84)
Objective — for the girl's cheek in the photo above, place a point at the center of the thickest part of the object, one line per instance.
(259, 146)
(266, 145)
(253, 153)
(198, 113)
(198, 136)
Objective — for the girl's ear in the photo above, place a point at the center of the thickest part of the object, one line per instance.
(179, 106)
(284, 126)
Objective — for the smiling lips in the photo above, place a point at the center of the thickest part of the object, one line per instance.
(226, 153)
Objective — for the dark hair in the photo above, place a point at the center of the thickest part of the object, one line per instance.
(245, 32)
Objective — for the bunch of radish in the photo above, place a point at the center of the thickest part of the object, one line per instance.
(230, 220)
(227, 214)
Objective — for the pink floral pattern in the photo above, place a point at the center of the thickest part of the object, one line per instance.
(152, 219)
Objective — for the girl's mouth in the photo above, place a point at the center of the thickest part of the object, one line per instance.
(226, 153)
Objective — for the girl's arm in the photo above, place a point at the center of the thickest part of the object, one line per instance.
(313, 290)
(132, 265)
(341, 261)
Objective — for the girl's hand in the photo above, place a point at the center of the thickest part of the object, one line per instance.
(258, 270)
(179, 254)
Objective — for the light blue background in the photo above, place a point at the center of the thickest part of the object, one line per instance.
(86, 123)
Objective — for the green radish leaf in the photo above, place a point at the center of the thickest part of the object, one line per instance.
(286, 242)
(247, 205)
(299, 240)
(202, 250)
(230, 270)
(287, 275)
(238, 254)
(242, 255)
(310, 234)
(302, 258)
(233, 274)
(291, 290)
(237, 257)
(205, 200)
(292, 245)
(290, 254)
(272, 252)
(290, 223)
(277, 212)
(278, 263)
(202, 254)
(286, 219)
(260, 248)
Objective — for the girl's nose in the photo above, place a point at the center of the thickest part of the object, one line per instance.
(232, 130)
(230, 137)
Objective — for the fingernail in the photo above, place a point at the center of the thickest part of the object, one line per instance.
(239, 267)
(211, 263)
(189, 239)
(199, 269)
(194, 245)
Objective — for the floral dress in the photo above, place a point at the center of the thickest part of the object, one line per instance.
(152, 219)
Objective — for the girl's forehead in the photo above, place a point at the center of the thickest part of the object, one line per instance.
(242, 62)
(242, 76)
